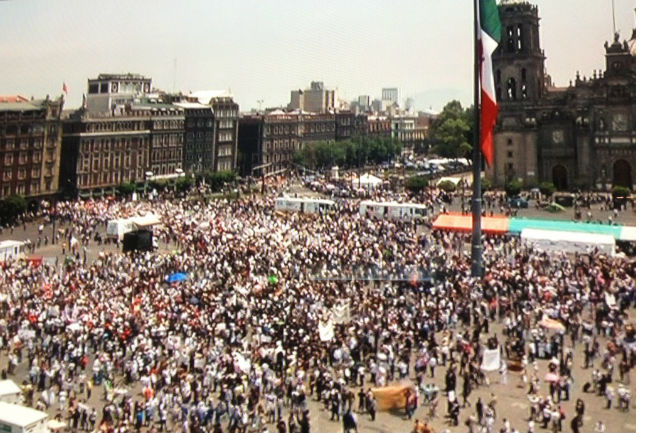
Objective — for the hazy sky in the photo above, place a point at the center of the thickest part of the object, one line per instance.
(262, 49)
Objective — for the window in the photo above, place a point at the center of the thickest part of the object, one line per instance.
(511, 42)
(22, 173)
(509, 154)
(511, 166)
(512, 89)
(103, 88)
(93, 88)
(510, 142)
(9, 158)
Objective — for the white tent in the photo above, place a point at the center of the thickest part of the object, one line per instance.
(9, 391)
(454, 180)
(148, 220)
(569, 242)
(370, 181)
(628, 233)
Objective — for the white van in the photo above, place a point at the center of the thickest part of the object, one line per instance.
(304, 205)
(393, 210)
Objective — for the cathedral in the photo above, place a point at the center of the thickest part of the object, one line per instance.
(580, 136)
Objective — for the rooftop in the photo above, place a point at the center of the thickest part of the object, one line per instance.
(127, 76)
(205, 96)
(22, 106)
(13, 98)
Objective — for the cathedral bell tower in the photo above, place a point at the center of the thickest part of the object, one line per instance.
(519, 61)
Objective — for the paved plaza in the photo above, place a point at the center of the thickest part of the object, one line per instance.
(510, 390)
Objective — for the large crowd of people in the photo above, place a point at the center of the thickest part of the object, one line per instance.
(240, 342)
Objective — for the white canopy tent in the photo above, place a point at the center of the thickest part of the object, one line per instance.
(569, 242)
(628, 233)
(369, 181)
(454, 180)
(146, 221)
(9, 391)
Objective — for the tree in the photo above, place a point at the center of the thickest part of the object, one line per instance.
(183, 184)
(12, 207)
(447, 186)
(126, 188)
(219, 178)
(547, 188)
(513, 188)
(486, 184)
(451, 132)
(416, 184)
(621, 192)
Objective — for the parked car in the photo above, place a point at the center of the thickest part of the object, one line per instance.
(518, 203)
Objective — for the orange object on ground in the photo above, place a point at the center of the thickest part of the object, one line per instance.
(392, 397)
(463, 223)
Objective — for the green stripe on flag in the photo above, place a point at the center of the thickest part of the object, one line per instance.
(490, 22)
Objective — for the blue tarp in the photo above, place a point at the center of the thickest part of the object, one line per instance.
(177, 277)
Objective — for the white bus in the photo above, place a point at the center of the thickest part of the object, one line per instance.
(304, 205)
(393, 210)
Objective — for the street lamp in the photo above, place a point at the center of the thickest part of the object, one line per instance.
(147, 177)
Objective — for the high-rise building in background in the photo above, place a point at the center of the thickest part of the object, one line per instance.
(390, 94)
(316, 99)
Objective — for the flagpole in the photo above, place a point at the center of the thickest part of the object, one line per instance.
(477, 266)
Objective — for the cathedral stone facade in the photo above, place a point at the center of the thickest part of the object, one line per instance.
(580, 136)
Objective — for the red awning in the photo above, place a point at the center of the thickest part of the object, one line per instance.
(463, 223)
(35, 261)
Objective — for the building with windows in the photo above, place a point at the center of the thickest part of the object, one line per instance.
(316, 99)
(582, 135)
(133, 137)
(211, 122)
(30, 146)
(270, 139)
(107, 92)
(390, 94)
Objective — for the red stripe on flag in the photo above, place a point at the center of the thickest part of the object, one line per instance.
(489, 111)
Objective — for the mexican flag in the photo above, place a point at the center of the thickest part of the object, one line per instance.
(489, 27)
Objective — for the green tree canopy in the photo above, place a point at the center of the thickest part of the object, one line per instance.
(416, 184)
(451, 133)
(355, 152)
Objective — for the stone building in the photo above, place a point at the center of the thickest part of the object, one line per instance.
(101, 152)
(580, 136)
(211, 122)
(30, 146)
(271, 139)
(122, 133)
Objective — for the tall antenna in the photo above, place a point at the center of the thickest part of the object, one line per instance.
(613, 17)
